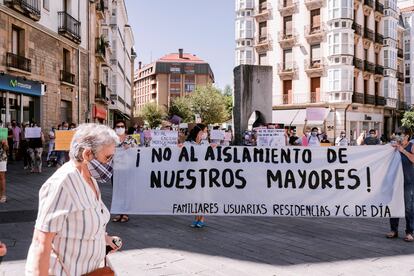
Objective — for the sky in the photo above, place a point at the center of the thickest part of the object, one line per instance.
(201, 27)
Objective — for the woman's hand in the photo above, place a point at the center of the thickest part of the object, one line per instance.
(109, 241)
(3, 249)
(398, 147)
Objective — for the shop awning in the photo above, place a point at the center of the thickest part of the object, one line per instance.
(294, 117)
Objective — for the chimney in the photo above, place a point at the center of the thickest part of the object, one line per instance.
(139, 65)
(180, 53)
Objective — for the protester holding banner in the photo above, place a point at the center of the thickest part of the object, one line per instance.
(3, 168)
(70, 231)
(341, 140)
(406, 149)
(311, 139)
(35, 150)
(125, 142)
(195, 138)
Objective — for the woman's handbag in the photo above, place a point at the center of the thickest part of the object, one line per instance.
(102, 271)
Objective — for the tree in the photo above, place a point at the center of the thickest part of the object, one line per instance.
(182, 107)
(408, 119)
(228, 98)
(209, 103)
(153, 114)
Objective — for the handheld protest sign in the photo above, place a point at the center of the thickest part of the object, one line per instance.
(63, 139)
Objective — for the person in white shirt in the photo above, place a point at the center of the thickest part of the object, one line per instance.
(312, 139)
(342, 141)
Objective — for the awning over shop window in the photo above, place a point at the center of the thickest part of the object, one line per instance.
(294, 117)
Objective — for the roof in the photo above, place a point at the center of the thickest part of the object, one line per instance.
(174, 57)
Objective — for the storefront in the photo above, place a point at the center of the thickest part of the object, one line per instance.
(19, 99)
(359, 122)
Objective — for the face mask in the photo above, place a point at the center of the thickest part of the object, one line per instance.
(342, 135)
(120, 130)
(100, 171)
(65, 128)
(314, 133)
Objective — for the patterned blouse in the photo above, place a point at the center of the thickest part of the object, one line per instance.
(3, 153)
(129, 141)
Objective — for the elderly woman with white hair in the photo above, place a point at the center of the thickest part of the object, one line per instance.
(70, 231)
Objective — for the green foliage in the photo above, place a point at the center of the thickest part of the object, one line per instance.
(182, 107)
(408, 119)
(210, 104)
(228, 100)
(153, 114)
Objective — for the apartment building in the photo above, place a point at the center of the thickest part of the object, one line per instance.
(120, 76)
(43, 61)
(171, 76)
(342, 55)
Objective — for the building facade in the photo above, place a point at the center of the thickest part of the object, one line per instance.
(43, 61)
(342, 55)
(122, 58)
(174, 75)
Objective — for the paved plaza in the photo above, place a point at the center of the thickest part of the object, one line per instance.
(165, 245)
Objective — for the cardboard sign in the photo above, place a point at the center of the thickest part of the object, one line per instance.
(271, 138)
(315, 113)
(137, 138)
(163, 138)
(32, 132)
(63, 139)
(217, 134)
(4, 133)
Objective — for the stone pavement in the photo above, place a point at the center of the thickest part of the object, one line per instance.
(162, 245)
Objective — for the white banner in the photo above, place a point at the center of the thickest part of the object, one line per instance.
(271, 138)
(164, 138)
(365, 181)
(32, 132)
(217, 134)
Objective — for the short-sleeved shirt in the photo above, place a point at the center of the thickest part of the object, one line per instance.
(341, 141)
(313, 141)
(372, 141)
(16, 133)
(69, 207)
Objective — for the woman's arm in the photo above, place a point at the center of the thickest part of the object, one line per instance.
(42, 247)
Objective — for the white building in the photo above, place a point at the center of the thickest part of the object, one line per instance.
(122, 62)
(342, 55)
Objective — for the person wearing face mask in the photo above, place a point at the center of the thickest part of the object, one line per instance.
(406, 149)
(312, 138)
(341, 140)
(195, 138)
(125, 142)
(372, 138)
(70, 232)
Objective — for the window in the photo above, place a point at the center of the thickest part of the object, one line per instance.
(316, 52)
(46, 4)
(66, 61)
(263, 59)
(175, 78)
(340, 79)
(390, 58)
(263, 29)
(340, 43)
(189, 87)
(287, 59)
(249, 57)
(175, 69)
(407, 69)
(17, 41)
(315, 19)
(287, 25)
(338, 9)
(190, 79)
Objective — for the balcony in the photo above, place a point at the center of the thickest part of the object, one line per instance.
(67, 77)
(314, 68)
(101, 49)
(358, 98)
(369, 99)
(403, 105)
(400, 76)
(29, 8)
(369, 67)
(263, 12)
(380, 101)
(69, 27)
(379, 70)
(358, 64)
(101, 93)
(379, 11)
(357, 28)
(314, 4)
(263, 43)
(298, 98)
(400, 53)
(368, 7)
(101, 7)
(287, 70)
(368, 38)
(287, 39)
(288, 7)
(379, 42)
(20, 63)
(314, 34)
